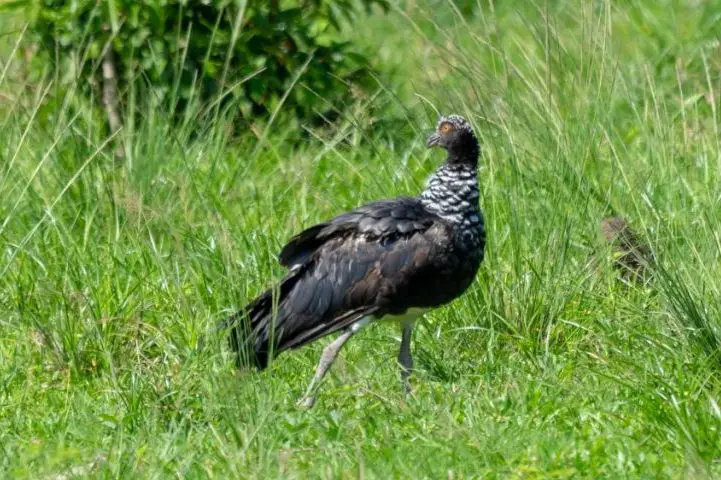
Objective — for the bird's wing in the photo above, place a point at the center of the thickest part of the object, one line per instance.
(339, 322)
(381, 258)
(385, 220)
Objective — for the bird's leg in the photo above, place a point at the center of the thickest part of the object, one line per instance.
(326, 360)
(404, 355)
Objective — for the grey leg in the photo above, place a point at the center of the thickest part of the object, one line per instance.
(404, 356)
(326, 360)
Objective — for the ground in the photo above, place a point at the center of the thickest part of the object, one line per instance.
(547, 368)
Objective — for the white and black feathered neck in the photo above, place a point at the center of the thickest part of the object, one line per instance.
(452, 194)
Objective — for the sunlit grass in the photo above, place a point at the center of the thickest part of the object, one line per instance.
(547, 367)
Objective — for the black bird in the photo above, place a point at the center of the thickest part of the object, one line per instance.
(392, 259)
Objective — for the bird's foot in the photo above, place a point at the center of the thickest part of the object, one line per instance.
(406, 382)
(306, 402)
(409, 394)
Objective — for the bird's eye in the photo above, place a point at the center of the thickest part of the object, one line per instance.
(446, 128)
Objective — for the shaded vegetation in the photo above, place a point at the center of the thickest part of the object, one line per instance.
(180, 52)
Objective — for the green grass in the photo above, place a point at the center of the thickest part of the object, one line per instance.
(544, 369)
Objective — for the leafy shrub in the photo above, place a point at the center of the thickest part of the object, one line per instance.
(203, 49)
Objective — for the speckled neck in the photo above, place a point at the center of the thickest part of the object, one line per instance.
(452, 194)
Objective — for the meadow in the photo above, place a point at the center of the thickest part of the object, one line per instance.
(549, 367)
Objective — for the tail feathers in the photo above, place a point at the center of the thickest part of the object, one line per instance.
(256, 330)
(249, 335)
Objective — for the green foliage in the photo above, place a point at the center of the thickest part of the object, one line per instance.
(546, 368)
(198, 49)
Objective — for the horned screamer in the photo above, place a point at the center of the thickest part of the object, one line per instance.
(391, 259)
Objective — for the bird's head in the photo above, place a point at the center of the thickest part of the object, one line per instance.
(455, 135)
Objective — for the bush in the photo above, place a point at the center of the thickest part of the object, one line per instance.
(189, 50)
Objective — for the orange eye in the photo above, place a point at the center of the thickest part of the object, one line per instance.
(446, 128)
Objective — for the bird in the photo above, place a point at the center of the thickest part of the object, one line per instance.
(631, 255)
(392, 259)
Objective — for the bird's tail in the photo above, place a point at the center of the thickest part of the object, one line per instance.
(257, 329)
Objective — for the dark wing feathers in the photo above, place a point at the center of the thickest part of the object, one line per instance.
(386, 218)
(301, 246)
(349, 278)
(322, 329)
(374, 260)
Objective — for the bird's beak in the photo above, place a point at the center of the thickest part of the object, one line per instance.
(433, 140)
